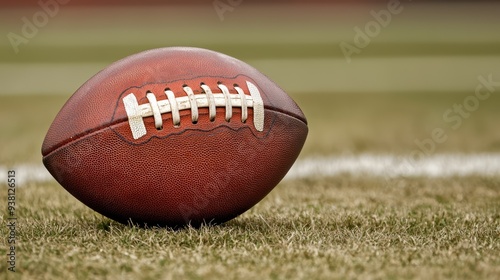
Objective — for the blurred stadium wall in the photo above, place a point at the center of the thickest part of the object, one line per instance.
(25, 3)
(431, 46)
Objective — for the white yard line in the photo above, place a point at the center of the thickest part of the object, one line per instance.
(438, 166)
(25, 174)
(388, 166)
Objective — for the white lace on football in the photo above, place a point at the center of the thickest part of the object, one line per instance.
(173, 105)
(156, 110)
(244, 108)
(227, 98)
(174, 108)
(211, 102)
(194, 105)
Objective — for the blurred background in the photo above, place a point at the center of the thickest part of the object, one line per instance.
(371, 76)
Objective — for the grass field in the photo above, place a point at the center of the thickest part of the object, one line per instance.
(323, 227)
(332, 228)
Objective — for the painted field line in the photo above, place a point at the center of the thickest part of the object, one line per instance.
(389, 166)
(25, 174)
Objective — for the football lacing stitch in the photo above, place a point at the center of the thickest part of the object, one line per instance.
(193, 102)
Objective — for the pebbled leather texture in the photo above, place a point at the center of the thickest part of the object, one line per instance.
(204, 172)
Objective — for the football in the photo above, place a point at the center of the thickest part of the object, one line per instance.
(173, 137)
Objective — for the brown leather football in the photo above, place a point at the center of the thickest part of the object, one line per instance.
(174, 136)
